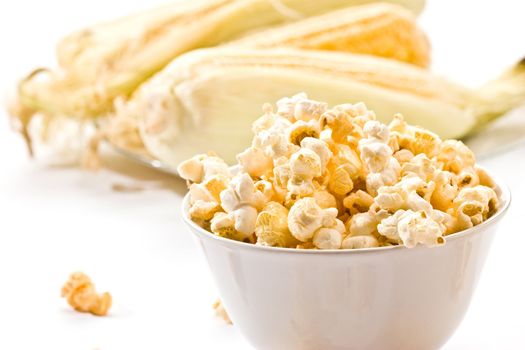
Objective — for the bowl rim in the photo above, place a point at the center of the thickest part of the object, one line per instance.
(502, 190)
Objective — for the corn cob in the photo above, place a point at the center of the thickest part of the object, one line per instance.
(381, 29)
(206, 100)
(112, 59)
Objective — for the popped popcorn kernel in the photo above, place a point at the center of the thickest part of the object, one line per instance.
(221, 312)
(301, 129)
(304, 219)
(286, 105)
(359, 242)
(81, 295)
(455, 156)
(254, 161)
(271, 227)
(412, 227)
(316, 177)
(327, 238)
(307, 110)
(325, 199)
(201, 167)
(358, 202)
(474, 205)
(241, 200)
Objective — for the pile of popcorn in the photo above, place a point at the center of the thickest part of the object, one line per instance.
(319, 178)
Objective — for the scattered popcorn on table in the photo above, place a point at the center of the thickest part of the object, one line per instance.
(320, 178)
(81, 295)
(220, 311)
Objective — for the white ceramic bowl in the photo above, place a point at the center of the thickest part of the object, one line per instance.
(378, 298)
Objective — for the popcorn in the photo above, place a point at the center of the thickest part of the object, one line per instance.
(271, 227)
(301, 129)
(412, 227)
(358, 202)
(274, 141)
(307, 110)
(455, 156)
(468, 178)
(403, 156)
(286, 105)
(305, 163)
(419, 165)
(306, 218)
(254, 162)
(446, 189)
(266, 188)
(424, 142)
(221, 312)
(318, 147)
(340, 182)
(327, 238)
(484, 177)
(205, 197)
(344, 169)
(365, 224)
(319, 178)
(404, 194)
(377, 156)
(325, 199)
(474, 205)
(241, 200)
(202, 167)
(343, 125)
(81, 295)
(359, 242)
(223, 225)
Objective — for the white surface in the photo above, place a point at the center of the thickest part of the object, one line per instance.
(54, 221)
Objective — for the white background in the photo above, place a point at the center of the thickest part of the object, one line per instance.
(57, 220)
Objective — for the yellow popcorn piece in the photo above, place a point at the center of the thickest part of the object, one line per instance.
(419, 165)
(410, 228)
(365, 224)
(223, 225)
(455, 156)
(271, 227)
(358, 202)
(474, 205)
(221, 312)
(320, 148)
(376, 154)
(241, 200)
(341, 180)
(304, 219)
(446, 190)
(403, 156)
(286, 106)
(345, 169)
(484, 177)
(81, 295)
(359, 242)
(425, 142)
(468, 177)
(254, 161)
(325, 199)
(205, 196)
(202, 167)
(327, 238)
(307, 110)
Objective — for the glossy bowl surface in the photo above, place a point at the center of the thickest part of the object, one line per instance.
(377, 298)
